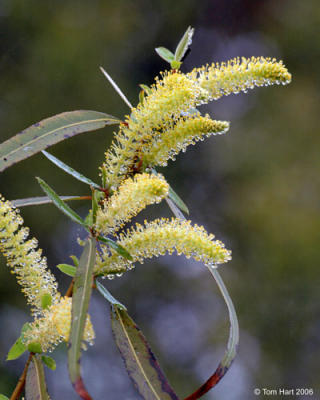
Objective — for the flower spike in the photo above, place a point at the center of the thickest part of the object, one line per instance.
(133, 195)
(54, 327)
(239, 75)
(24, 258)
(160, 237)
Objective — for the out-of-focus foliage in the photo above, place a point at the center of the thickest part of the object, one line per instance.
(257, 187)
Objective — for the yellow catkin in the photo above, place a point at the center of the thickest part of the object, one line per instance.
(170, 96)
(25, 259)
(133, 195)
(54, 327)
(160, 237)
(186, 131)
(239, 75)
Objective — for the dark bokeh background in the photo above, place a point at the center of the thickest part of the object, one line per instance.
(256, 188)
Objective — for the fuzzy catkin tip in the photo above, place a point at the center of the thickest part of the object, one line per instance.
(160, 237)
(54, 327)
(186, 131)
(238, 75)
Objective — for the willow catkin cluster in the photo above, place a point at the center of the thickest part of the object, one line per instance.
(54, 327)
(163, 124)
(133, 195)
(169, 97)
(25, 259)
(160, 237)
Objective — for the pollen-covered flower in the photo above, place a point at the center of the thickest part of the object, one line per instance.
(186, 131)
(54, 327)
(25, 259)
(238, 75)
(133, 195)
(160, 237)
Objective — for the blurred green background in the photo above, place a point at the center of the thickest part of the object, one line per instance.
(257, 187)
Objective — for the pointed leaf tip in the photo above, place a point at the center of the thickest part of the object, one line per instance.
(59, 203)
(77, 175)
(165, 54)
(184, 44)
(140, 362)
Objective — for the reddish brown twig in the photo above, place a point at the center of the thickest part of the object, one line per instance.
(209, 384)
(22, 380)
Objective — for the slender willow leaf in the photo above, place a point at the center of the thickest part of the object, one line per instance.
(166, 54)
(35, 381)
(175, 210)
(17, 349)
(140, 362)
(117, 247)
(146, 88)
(33, 201)
(108, 296)
(175, 199)
(67, 269)
(60, 203)
(50, 131)
(232, 346)
(178, 201)
(80, 302)
(184, 43)
(233, 340)
(116, 87)
(69, 170)
(49, 362)
(75, 260)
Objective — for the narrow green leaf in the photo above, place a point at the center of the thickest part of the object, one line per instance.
(164, 53)
(3, 397)
(184, 43)
(141, 96)
(139, 360)
(33, 201)
(49, 362)
(70, 170)
(174, 200)
(35, 347)
(116, 87)
(97, 196)
(233, 341)
(75, 260)
(51, 131)
(146, 88)
(67, 269)
(46, 301)
(60, 203)
(108, 296)
(80, 302)
(16, 350)
(178, 201)
(35, 381)
(117, 247)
